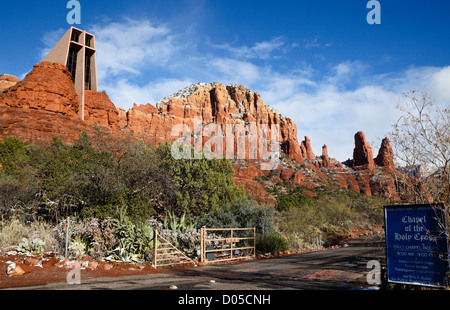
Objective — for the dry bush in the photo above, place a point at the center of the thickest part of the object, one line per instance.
(12, 232)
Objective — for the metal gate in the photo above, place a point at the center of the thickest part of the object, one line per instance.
(231, 244)
(166, 254)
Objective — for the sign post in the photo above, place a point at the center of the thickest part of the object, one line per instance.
(416, 244)
(67, 235)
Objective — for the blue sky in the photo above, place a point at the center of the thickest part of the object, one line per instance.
(317, 62)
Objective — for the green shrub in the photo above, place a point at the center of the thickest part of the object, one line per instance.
(293, 200)
(331, 216)
(82, 179)
(271, 243)
(245, 213)
(201, 184)
(12, 155)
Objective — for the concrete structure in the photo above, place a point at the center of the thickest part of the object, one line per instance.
(76, 50)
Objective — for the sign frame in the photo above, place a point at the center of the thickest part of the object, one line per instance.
(411, 258)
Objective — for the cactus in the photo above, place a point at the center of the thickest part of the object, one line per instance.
(33, 246)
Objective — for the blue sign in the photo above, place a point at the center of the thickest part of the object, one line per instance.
(416, 244)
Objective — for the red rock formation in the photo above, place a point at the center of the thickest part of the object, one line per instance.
(245, 174)
(100, 111)
(233, 108)
(385, 156)
(383, 185)
(48, 87)
(287, 174)
(42, 105)
(35, 126)
(325, 158)
(306, 149)
(362, 154)
(298, 178)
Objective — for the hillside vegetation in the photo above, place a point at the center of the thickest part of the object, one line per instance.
(117, 199)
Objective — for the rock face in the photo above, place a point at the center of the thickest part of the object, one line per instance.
(100, 111)
(228, 119)
(48, 87)
(7, 81)
(325, 158)
(205, 109)
(233, 111)
(42, 105)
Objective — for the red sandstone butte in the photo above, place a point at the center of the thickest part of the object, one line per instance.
(325, 158)
(306, 149)
(362, 153)
(385, 156)
(42, 105)
(48, 87)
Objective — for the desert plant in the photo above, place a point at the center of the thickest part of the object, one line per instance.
(177, 224)
(77, 248)
(134, 241)
(189, 241)
(245, 213)
(33, 246)
(125, 255)
(271, 243)
(14, 230)
(100, 237)
(77, 229)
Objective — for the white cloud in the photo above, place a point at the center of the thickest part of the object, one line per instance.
(439, 85)
(129, 47)
(315, 43)
(49, 39)
(128, 93)
(332, 117)
(260, 50)
(234, 71)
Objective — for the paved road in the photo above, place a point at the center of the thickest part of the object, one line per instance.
(341, 268)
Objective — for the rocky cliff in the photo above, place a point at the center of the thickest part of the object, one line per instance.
(45, 104)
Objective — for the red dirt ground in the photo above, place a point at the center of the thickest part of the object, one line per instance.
(55, 274)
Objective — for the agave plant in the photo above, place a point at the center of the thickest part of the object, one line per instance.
(135, 241)
(177, 224)
(123, 255)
